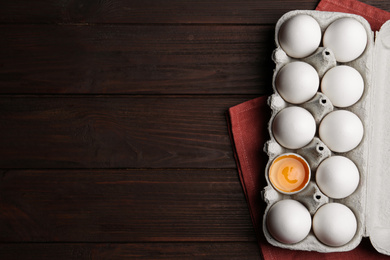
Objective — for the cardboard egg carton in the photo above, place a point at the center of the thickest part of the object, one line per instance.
(371, 201)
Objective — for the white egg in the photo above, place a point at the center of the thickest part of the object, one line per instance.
(343, 85)
(294, 127)
(300, 36)
(337, 177)
(347, 38)
(297, 82)
(341, 131)
(288, 221)
(334, 224)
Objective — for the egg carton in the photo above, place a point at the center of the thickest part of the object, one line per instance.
(371, 200)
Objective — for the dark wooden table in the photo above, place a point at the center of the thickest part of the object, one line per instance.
(113, 138)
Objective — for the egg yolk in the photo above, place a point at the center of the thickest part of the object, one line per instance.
(289, 173)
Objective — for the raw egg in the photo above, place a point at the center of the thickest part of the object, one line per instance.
(337, 177)
(347, 38)
(289, 173)
(343, 85)
(334, 224)
(341, 130)
(300, 36)
(288, 221)
(297, 82)
(294, 127)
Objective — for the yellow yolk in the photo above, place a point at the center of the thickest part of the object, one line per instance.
(289, 173)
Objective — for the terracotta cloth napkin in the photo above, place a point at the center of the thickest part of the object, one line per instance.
(248, 131)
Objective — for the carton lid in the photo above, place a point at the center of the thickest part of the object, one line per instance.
(378, 182)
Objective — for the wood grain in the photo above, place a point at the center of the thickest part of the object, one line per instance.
(114, 142)
(116, 131)
(141, 11)
(161, 12)
(123, 206)
(156, 59)
(120, 251)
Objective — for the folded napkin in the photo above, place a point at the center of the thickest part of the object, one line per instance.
(375, 16)
(247, 124)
